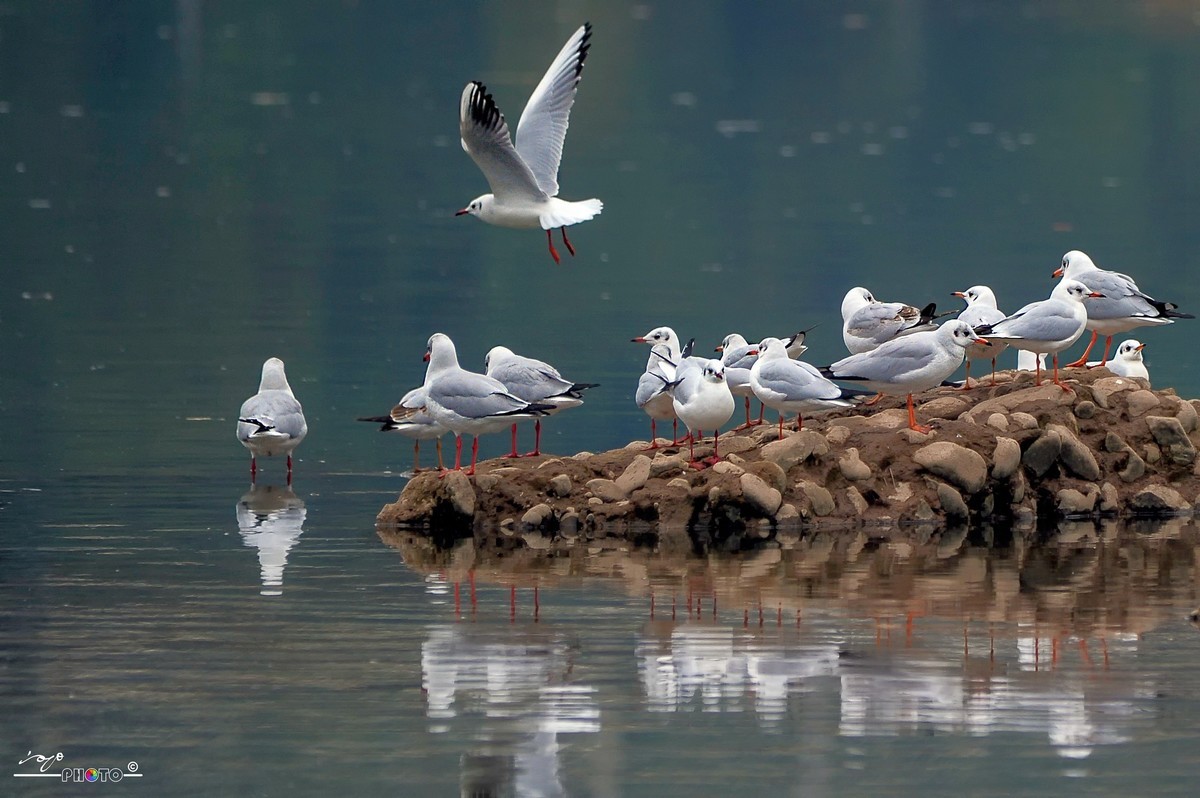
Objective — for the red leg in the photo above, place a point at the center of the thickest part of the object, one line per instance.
(966, 386)
(1107, 344)
(253, 468)
(653, 435)
(457, 452)
(716, 452)
(799, 422)
(780, 425)
(513, 453)
(1056, 382)
(1082, 361)
(537, 439)
(439, 452)
(553, 251)
(289, 464)
(912, 418)
(567, 241)
(474, 455)
(1037, 369)
(878, 396)
(993, 372)
(416, 457)
(762, 409)
(748, 423)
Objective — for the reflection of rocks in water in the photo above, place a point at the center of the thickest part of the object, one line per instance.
(1092, 579)
(270, 519)
(511, 699)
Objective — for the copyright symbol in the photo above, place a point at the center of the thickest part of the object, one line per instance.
(131, 767)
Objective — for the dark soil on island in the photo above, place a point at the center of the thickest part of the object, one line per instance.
(1009, 454)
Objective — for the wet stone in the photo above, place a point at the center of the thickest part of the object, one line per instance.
(852, 466)
(1006, 458)
(605, 489)
(1109, 498)
(460, 493)
(956, 464)
(1171, 438)
(1042, 453)
(1072, 502)
(560, 486)
(1085, 409)
(1134, 469)
(1159, 498)
(1077, 457)
(951, 502)
(759, 495)
(856, 501)
(820, 498)
(536, 515)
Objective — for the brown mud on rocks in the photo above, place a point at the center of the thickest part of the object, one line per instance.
(1009, 453)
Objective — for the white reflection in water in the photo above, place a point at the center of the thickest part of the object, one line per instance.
(270, 519)
(514, 699)
(722, 668)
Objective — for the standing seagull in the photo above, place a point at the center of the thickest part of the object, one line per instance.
(1046, 327)
(271, 422)
(793, 386)
(908, 364)
(465, 402)
(524, 177)
(739, 356)
(653, 395)
(1123, 306)
(533, 381)
(981, 309)
(410, 419)
(702, 401)
(867, 322)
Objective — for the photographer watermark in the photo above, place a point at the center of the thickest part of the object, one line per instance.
(41, 766)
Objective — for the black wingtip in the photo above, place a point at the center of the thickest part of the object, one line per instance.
(261, 426)
(1169, 310)
(983, 329)
(583, 386)
(929, 313)
(484, 111)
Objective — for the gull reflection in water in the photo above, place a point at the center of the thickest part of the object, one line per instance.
(271, 519)
(513, 697)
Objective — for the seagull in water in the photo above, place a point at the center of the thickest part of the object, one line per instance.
(272, 421)
(867, 322)
(981, 309)
(1128, 361)
(792, 385)
(524, 177)
(1046, 327)
(533, 381)
(468, 403)
(410, 419)
(1122, 308)
(908, 364)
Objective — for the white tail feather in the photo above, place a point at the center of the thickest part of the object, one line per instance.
(561, 213)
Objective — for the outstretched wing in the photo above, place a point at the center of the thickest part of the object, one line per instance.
(485, 138)
(543, 124)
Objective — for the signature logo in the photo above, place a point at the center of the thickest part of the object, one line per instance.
(47, 767)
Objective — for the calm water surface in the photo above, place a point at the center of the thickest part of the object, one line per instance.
(189, 188)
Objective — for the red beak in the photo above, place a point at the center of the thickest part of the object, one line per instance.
(425, 358)
(958, 294)
(460, 213)
(638, 340)
(1058, 272)
(1096, 294)
(752, 352)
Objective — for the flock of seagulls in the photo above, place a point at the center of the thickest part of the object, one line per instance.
(894, 348)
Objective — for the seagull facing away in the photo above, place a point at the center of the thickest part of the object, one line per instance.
(867, 322)
(1127, 362)
(524, 177)
(793, 386)
(908, 364)
(702, 401)
(533, 381)
(272, 421)
(410, 419)
(1122, 308)
(981, 309)
(1046, 327)
(468, 403)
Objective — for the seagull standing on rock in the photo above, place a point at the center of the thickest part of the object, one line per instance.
(981, 309)
(468, 403)
(793, 386)
(1046, 327)
(533, 381)
(867, 322)
(524, 177)
(653, 395)
(909, 364)
(1121, 307)
(702, 401)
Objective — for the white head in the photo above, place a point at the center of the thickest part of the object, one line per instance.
(273, 377)
(440, 354)
(1130, 350)
(855, 298)
(1074, 290)
(661, 335)
(959, 333)
(495, 356)
(978, 295)
(771, 348)
(1074, 263)
(713, 371)
(480, 206)
(732, 341)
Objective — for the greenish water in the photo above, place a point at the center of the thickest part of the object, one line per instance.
(189, 188)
